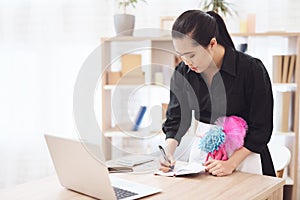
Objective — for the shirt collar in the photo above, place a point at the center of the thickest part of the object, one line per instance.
(228, 64)
(229, 61)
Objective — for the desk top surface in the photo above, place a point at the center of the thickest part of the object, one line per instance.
(202, 186)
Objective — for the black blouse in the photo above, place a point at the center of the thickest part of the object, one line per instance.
(242, 87)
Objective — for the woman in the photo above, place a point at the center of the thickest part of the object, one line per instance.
(215, 80)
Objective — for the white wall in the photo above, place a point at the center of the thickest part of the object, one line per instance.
(42, 46)
(271, 15)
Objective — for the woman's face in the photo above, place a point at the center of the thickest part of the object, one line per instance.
(197, 57)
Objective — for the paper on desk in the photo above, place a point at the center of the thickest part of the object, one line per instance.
(190, 168)
(130, 160)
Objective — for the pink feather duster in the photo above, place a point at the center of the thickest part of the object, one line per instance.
(235, 129)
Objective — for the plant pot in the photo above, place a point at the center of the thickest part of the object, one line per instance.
(124, 24)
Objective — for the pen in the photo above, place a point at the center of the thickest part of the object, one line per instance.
(165, 156)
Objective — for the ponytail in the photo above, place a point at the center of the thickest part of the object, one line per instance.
(202, 27)
(223, 36)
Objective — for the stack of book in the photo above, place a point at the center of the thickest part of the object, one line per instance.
(283, 73)
(284, 68)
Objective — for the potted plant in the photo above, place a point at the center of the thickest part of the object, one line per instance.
(221, 7)
(124, 23)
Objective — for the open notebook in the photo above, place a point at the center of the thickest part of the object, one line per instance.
(183, 169)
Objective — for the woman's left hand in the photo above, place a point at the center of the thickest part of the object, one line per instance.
(219, 167)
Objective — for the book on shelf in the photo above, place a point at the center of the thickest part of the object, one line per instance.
(285, 117)
(283, 72)
(283, 68)
(139, 118)
(277, 68)
(291, 71)
(282, 112)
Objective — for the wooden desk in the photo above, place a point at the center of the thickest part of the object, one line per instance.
(237, 186)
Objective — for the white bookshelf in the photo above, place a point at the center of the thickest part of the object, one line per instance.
(281, 43)
(157, 57)
(285, 87)
(158, 50)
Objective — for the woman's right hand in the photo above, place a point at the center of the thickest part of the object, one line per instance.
(166, 166)
(171, 145)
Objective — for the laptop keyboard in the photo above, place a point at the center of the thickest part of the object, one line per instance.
(121, 193)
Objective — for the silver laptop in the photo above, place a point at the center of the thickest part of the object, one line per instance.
(78, 170)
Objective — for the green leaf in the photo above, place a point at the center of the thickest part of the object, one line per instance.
(219, 6)
(126, 3)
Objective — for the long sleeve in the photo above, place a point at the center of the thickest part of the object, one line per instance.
(260, 101)
(178, 115)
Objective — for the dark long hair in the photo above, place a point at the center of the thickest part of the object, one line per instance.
(202, 27)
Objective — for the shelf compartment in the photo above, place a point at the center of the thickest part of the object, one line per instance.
(284, 134)
(284, 87)
(116, 132)
(112, 87)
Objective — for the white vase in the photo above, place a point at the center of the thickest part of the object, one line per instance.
(124, 24)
